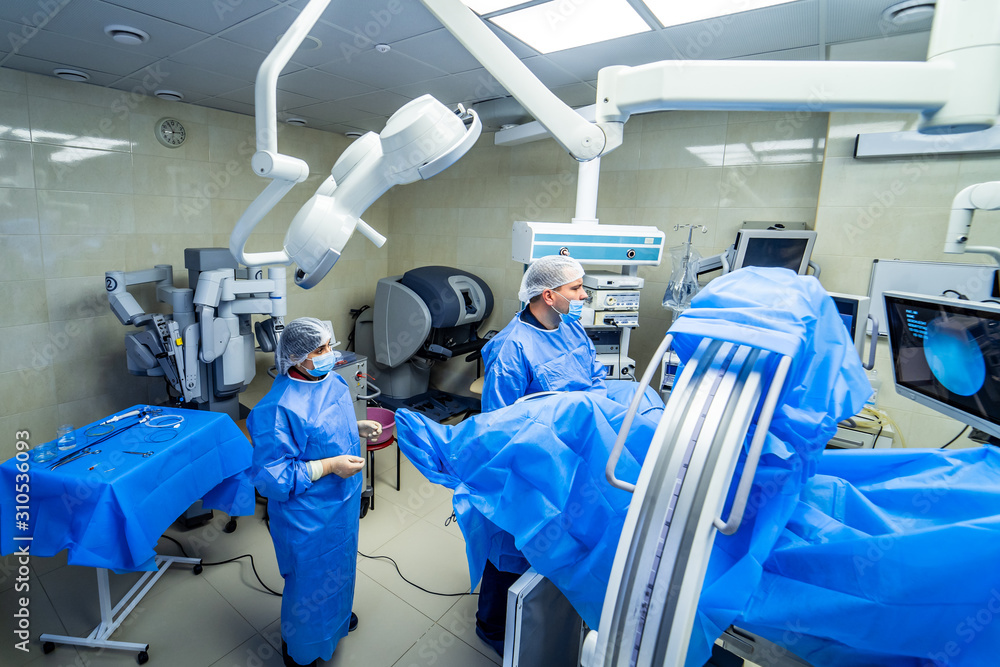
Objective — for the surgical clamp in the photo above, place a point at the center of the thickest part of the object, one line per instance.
(73, 457)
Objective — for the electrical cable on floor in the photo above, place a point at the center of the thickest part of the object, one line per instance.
(960, 434)
(253, 565)
(445, 595)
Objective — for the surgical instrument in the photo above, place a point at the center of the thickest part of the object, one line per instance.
(144, 455)
(76, 455)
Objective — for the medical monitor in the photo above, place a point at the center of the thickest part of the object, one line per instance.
(789, 249)
(946, 356)
(853, 312)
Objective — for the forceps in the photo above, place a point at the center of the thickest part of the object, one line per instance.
(73, 457)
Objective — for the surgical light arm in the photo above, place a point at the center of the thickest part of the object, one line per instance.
(981, 197)
(220, 291)
(956, 90)
(420, 140)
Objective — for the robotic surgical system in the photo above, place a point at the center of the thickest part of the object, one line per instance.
(204, 348)
(429, 314)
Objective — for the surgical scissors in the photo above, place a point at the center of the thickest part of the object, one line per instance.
(73, 457)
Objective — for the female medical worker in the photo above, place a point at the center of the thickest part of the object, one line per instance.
(307, 454)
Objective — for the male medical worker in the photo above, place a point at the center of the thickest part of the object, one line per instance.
(544, 348)
(307, 453)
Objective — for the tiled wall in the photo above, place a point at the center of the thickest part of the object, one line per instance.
(85, 188)
(715, 169)
(894, 209)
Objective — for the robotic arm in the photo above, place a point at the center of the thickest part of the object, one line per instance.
(420, 140)
(982, 197)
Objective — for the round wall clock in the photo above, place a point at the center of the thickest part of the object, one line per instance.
(170, 132)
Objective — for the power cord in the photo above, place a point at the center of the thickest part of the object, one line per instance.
(446, 595)
(960, 434)
(253, 565)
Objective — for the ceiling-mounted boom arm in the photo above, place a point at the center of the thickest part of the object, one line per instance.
(980, 197)
(956, 90)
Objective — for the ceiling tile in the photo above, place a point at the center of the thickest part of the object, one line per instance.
(39, 66)
(81, 54)
(577, 94)
(261, 32)
(88, 20)
(381, 102)
(586, 61)
(850, 20)
(802, 53)
(184, 78)
(313, 83)
(378, 22)
(227, 105)
(286, 100)
(331, 112)
(146, 87)
(211, 17)
(389, 69)
(29, 12)
(219, 55)
(548, 72)
(465, 88)
(341, 128)
(438, 49)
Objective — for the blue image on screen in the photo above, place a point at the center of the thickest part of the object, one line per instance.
(954, 356)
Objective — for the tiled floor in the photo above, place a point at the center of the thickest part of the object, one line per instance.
(223, 618)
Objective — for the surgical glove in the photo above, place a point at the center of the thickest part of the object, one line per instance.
(369, 428)
(343, 466)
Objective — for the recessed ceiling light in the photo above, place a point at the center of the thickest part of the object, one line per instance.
(679, 12)
(124, 34)
(353, 135)
(295, 121)
(558, 25)
(169, 95)
(71, 74)
(309, 43)
(383, 48)
(911, 11)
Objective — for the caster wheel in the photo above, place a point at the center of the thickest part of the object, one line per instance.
(142, 658)
(230, 526)
(197, 570)
(48, 647)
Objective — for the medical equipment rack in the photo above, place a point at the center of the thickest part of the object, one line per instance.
(111, 619)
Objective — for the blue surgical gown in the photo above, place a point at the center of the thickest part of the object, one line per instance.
(314, 525)
(524, 359)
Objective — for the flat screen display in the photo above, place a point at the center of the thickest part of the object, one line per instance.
(946, 354)
(774, 248)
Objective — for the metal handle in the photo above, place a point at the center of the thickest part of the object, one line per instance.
(732, 524)
(871, 351)
(616, 452)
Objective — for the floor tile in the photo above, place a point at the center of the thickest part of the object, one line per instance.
(428, 556)
(382, 524)
(42, 618)
(440, 648)
(416, 494)
(461, 622)
(254, 652)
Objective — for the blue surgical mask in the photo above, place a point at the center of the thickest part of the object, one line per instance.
(575, 310)
(323, 364)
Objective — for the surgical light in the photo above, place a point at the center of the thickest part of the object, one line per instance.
(556, 26)
(679, 12)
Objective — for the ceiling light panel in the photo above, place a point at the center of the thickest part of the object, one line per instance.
(559, 25)
(489, 6)
(679, 12)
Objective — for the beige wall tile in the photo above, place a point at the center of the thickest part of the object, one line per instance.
(783, 142)
(26, 347)
(40, 425)
(845, 128)
(690, 147)
(770, 186)
(236, 145)
(15, 165)
(12, 81)
(731, 219)
(172, 215)
(27, 392)
(674, 120)
(68, 256)
(683, 188)
(24, 303)
(143, 251)
(77, 213)
(72, 298)
(79, 125)
(82, 169)
(172, 177)
(889, 183)
(14, 112)
(20, 256)
(52, 88)
(18, 211)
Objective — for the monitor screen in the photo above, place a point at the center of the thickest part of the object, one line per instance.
(774, 248)
(854, 313)
(946, 355)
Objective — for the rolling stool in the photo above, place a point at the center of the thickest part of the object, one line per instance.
(388, 436)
